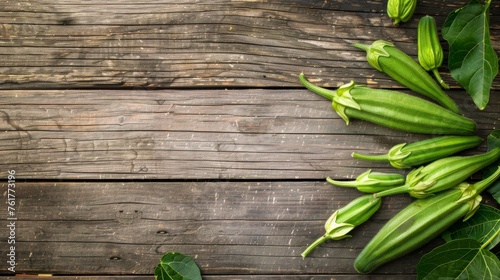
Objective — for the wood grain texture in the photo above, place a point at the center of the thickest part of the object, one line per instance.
(141, 127)
(61, 44)
(237, 229)
(223, 277)
(204, 134)
(231, 228)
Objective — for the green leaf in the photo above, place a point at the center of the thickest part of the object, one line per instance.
(459, 259)
(493, 141)
(495, 191)
(176, 266)
(472, 60)
(481, 227)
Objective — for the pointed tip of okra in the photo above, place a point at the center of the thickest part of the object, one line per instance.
(486, 182)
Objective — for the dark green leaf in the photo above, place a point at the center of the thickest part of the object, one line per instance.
(481, 227)
(176, 266)
(472, 60)
(493, 141)
(495, 191)
(459, 259)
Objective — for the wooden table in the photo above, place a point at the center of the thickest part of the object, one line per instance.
(137, 128)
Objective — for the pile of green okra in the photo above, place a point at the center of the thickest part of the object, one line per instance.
(437, 180)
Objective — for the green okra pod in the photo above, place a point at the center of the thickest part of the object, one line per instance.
(442, 174)
(393, 109)
(430, 52)
(390, 60)
(345, 219)
(371, 182)
(420, 222)
(405, 155)
(401, 10)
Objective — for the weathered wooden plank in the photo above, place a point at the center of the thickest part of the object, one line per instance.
(225, 277)
(83, 277)
(202, 134)
(235, 230)
(199, 44)
(216, 277)
(230, 228)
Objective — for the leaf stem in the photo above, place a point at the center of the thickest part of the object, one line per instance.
(490, 239)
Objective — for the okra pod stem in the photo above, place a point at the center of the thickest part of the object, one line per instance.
(440, 80)
(315, 244)
(381, 157)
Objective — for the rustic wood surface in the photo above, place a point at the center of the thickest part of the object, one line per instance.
(124, 43)
(137, 128)
(198, 134)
